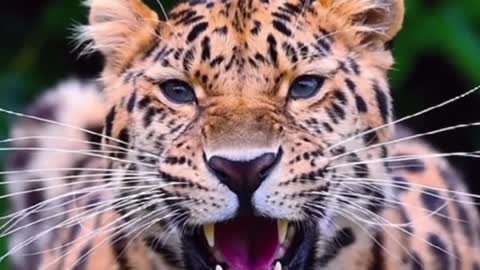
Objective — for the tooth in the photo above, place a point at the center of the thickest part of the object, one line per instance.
(209, 231)
(282, 227)
(218, 267)
(278, 266)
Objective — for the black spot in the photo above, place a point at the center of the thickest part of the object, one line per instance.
(190, 19)
(361, 104)
(83, 258)
(340, 96)
(417, 262)
(324, 44)
(281, 16)
(282, 28)
(124, 137)
(409, 164)
(439, 251)
(377, 200)
(94, 136)
(338, 111)
(144, 102)
(256, 28)
(378, 260)
(221, 30)
(476, 266)
(332, 116)
(44, 110)
(272, 49)
(434, 202)
(290, 52)
(407, 223)
(354, 66)
(109, 121)
(131, 102)
(361, 170)
(351, 85)
(401, 184)
(148, 117)
(160, 54)
(291, 8)
(217, 61)
(327, 127)
(370, 138)
(120, 244)
(383, 102)
(206, 49)
(342, 239)
(34, 196)
(20, 159)
(188, 59)
(196, 31)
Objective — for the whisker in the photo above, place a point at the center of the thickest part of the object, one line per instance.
(109, 146)
(86, 153)
(408, 117)
(117, 232)
(417, 187)
(376, 216)
(433, 132)
(85, 191)
(472, 154)
(73, 169)
(73, 177)
(44, 120)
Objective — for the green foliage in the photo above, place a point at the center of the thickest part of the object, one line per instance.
(37, 52)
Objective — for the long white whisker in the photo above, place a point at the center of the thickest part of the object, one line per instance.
(86, 153)
(408, 117)
(459, 126)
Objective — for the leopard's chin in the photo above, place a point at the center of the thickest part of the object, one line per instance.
(250, 243)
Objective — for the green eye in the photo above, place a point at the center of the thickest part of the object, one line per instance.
(306, 86)
(178, 91)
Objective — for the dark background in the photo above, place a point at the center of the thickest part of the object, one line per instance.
(438, 57)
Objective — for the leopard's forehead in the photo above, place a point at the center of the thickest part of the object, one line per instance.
(227, 45)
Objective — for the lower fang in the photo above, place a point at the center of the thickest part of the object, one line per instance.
(218, 267)
(209, 231)
(282, 227)
(278, 266)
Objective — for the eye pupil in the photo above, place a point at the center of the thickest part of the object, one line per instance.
(178, 91)
(306, 86)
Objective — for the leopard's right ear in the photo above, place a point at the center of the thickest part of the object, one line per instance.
(119, 29)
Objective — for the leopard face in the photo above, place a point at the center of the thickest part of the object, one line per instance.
(244, 117)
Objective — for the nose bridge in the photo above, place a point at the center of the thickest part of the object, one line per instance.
(238, 122)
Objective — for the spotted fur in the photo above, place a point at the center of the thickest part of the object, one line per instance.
(240, 57)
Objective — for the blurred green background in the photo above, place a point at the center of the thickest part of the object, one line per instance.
(438, 57)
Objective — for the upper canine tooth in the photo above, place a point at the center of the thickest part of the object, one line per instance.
(282, 227)
(209, 231)
(278, 266)
(218, 267)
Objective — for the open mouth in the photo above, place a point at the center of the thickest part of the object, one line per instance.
(250, 243)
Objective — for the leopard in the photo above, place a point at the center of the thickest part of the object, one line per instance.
(235, 135)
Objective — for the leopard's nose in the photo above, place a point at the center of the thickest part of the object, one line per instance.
(245, 176)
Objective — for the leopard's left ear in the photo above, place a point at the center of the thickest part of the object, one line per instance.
(119, 29)
(376, 20)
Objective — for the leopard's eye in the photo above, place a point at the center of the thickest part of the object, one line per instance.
(178, 91)
(306, 86)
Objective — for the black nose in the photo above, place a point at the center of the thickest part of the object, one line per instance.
(244, 177)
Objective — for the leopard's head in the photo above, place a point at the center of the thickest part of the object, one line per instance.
(245, 122)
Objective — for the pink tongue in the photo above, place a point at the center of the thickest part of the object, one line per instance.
(248, 243)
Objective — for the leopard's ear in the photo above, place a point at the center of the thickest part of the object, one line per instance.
(374, 20)
(119, 29)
